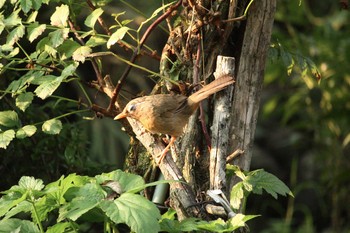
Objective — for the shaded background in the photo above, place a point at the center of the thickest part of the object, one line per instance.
(302, 134)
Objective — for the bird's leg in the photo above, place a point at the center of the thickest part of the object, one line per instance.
(166, 149)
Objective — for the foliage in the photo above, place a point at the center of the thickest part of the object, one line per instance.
(107, 199)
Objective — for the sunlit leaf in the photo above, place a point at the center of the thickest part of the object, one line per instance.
(35, 30)
(92, 18)
(60, 16)
(9, 118)
(26, 131)
(48, 87)
(58, 36)
(24, 100)
(116, 36)
(53, 126)
(15, 35)
(6, 137)
(95, 41)
(81, 53)
(137, 212)
(67, 48)
(13, 19)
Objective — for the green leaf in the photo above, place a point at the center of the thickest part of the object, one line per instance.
(60, 16)
(260, 179)
(26, 5)
(52, 126)
(95, 41)
(23, 206)
(81, 53)
(58, 36)
(32, 17)
(69, 70)
(37, 4)
(60, 227)
(13, 19)
(87, 198)
(236, 195)
(137, 212)
(11, 200)
(15, 35)
(116, 36)
(92, 18)
(127, 181)
(24, 100)
(30, 183)
(26, 131)
(48, 87)
(67, 49)
(35, 30)
(9, 119)
(17, 225)
(6, 137)
(239, 220)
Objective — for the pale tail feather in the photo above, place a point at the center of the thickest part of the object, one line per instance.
(211, 88)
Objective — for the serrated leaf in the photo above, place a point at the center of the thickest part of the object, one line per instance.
(30, 183)
(24, 100)
(35, 30)
(48, 87)
(53, 126)
(95, 41)
(239, 220)
(26, 5)
(13, 19)
(116, 36)
(92, 18)
(15, 35)
(58, 36)
(137, 212)
(69, 70)
(87, 198)
(127, 181)
(67, 48)
(18, 225)
(236, 195)
(26, 131)
(9, 118)
(23, 206)
(60, 16)
(81, 53)
(260, 179)
(6, 137)
(32, 17)
(59, 227)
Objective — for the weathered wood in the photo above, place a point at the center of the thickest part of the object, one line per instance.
(249, 80)
(220, 136)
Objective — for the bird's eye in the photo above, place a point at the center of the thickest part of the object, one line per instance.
(132, 108)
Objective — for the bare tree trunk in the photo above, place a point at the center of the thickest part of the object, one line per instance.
(250, 76)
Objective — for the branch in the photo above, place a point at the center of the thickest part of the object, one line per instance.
(136, 51)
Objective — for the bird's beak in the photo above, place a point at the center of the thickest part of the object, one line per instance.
(120, 116)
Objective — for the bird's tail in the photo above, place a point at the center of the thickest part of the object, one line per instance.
(211, 88)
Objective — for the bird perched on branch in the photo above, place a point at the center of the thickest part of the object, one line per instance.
(168, 113)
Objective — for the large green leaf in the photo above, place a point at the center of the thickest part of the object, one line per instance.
(87, 198)
(15, 35)
(35, 30)
(137, 212)
(127, 181)
(6, 137)
(18, 225)
(116, 36)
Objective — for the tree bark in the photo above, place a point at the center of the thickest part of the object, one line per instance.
(250, 76)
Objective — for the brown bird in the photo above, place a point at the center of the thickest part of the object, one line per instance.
(168, 113)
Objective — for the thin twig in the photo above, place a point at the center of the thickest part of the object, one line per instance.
(136, 51)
